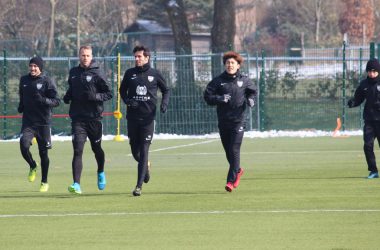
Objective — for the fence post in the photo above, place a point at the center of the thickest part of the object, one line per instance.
(344, 88)
(113, 88)
(262, 93)
(371, 50)
(5, 90)
(258, 89)
(361, 122)
(378, 51)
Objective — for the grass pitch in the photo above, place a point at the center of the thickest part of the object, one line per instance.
(296, 193)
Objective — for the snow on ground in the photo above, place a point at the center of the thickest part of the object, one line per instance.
(248, 134)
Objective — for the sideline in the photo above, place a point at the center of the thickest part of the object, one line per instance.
(293, 211)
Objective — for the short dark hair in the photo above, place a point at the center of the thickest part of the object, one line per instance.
(234, 55)
(142, 48)
(85, 47)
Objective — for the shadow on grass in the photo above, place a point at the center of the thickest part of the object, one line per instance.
(38, 195)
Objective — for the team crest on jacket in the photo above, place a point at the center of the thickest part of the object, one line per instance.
(239, 83)
(88, 78)
(150, 78)
(378, 87)
(141, 90)
(39, 85)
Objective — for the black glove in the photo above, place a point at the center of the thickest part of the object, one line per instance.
(351, 103)
(223, 98)
(39, 98)
(131, 103)
(251, 102)
(20, 108)
(163, 108)
(66, 99)
(89, 95)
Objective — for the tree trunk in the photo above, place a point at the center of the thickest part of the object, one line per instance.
(222, 32)
(78, 25)
(318, 13)
(185, 89)
(51, 32)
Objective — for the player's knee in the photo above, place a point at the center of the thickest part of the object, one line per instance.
(25, 144)
(368, 147)
(78, 151)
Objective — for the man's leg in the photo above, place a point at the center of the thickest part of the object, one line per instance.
(134, 138)
(95, 132)
(369, 137)
(147, 130)
(27, 134)
(26, 137)
(44, 144)
(78, 140)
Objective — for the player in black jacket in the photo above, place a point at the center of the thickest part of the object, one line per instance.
(87, 91)
(369, 91)
(38, 95)
(231, 92)
(138, 91)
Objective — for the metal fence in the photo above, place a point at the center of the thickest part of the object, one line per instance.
(304, 92)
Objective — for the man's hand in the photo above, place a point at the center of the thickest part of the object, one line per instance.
(39, 98)
(163, 108)
(131, 103)
(251, 102)
(66, 99)
(20, 108)
(88, 95)
(351, 103)
(224, 98)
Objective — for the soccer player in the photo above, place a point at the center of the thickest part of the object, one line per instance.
(369, 91)
(138, 91)
(231, 93)
(38, 95)
(87, 91)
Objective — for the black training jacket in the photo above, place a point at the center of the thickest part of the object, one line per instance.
(240, 88)
(369, 90)
(38, 95)
(140, 84)
(87, 91)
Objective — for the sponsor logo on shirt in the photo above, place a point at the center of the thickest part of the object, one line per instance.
(141, 90)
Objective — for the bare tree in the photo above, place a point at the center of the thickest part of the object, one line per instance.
(52, 22)
(318, 14)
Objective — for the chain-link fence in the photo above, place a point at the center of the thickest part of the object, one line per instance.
(304, 92)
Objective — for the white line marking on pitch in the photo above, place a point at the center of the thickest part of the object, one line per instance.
(195, 212)
(267, 152)
(181, 146)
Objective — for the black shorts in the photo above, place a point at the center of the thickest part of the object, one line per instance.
(91, 129)
(42, 134)
(233, 131)
(141, 131)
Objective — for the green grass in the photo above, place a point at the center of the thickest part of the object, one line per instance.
(296, 193)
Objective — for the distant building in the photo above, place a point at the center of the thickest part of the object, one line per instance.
(160, 39)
